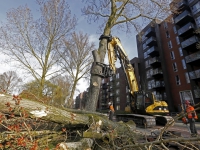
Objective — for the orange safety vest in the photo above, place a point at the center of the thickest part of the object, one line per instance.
(111, 108)
(189, 111)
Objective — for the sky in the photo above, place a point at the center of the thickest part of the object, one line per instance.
(128, 41)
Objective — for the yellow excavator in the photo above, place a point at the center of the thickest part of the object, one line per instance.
(145, 109)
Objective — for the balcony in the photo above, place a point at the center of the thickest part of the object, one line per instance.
(182, 4)
(193, 58)
(155, 62)
(191, 2)
(157, 73)
(197, 93)
(196, 9)
(150, 32)
(151, 41)
(189, 42)
(186, 29)
(158, 85)
(153, 51)
(195, 74)
(183, 18)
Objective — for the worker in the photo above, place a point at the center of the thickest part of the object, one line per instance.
(191, 115)
(111, 110)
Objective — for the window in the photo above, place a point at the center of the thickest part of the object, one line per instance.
(148, 74)
(183, 63)
(187, 77)
(175, 66)
(117, 99)
(167, 34)
(117, 75)
(102, 81)
(144, 46)
(117, 84)
(178, 82)
(128, 98)
(180, 51)
(170, 44)
(147, 65)
(172, 20)
(174, 28)
(172, 55)
(177, 40)
(118, 107)
(165, 25)
(117, 91)
(198, 21)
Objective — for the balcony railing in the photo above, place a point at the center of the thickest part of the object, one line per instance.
(150, 40)
(190, 1)
(150, 31)
(192, 40)
(158, 84)
(194, 74)
(196, 9)
(181, 4)
(192, 57)
(186, 28)
(152, 50)
(153, 60)
(197, 93)
(157, 71)
(182, 17)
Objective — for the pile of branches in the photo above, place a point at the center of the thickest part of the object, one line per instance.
(26, 124)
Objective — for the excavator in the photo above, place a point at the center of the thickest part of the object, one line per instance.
(145, 109)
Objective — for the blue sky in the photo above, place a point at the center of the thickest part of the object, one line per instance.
(128, 41)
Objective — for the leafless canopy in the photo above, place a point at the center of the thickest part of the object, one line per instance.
(32, 43)
(127, 13)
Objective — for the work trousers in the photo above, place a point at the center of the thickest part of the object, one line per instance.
(111, 114)
(192, 126)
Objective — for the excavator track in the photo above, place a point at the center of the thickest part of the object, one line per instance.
(140, 120)
(162, 120)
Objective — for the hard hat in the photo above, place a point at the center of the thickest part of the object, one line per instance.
(109, 103)
(187, 102)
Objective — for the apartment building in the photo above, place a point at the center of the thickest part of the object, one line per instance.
(170, 61)
(115, 89)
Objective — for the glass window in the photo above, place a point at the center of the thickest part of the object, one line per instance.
(183, 63)
(118, 107)
(187, 77)
(177, 40)
(175, 66)
(167, 34)
(117, 99)
(172, 20)
(117, 75)
(102, 81)
(178, 82)
(147, 65)
(165, 25)
(148, 74)
(172, 55)
(170, 44)
(174, 28)
(198, 21)
(117, 91)
(180, 51)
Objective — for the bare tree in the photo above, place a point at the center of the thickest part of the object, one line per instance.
(9, 80)
(76, 60)
(33, 43)
(119, 14)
